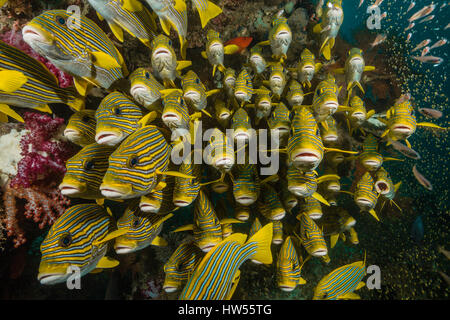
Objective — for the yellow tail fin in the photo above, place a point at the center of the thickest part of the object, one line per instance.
(211, 12)
(263, 239)
(76, 104)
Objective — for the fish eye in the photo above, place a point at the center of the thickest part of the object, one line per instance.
(197, 81)
(181, 102)
(86, 119)
(117, 111)
(170, 42)
(136, 223)
(147, 75)
(89, 165)
(60, 20)
(248, 82)
(133, 161)
(65, 240)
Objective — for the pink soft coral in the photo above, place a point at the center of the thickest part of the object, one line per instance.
(44, 156)
(15, 39)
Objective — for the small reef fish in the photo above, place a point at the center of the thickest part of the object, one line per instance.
(239, 44)
(160, 201)
(139, 23)
(85, 171)
(277, 237)
(353, 70)
(217, 275)
(220, 152)
(410, 26)
(256, 60)
(412, 4)
(138, 230)
(181, 264)
(358, 114)
(216, 51)
(171, 14)
(175, 113)
(408, 37)
(186, 189)
(311, 236)
(229, 81)
(288, 267)
(145, 89)
(280, 38)
(405, 150)
(263, 104)
(379, 39)
(430, 113)
(306, 68)
(27, 83)
(164, 61)
(429, 18)
(328, 28)
(274, 209)
(342, 282)
(312, 208)
(422, 12)
(241, 126)
(80, 128)
(243, 87)
(79, 237)
(194, 91)
(277, 80)
(295, 94)
(365, 195)
(325, 100)
(421, 45)
(116, 117)
(429, 59)
(81, 49)
(421, 179)
(438, 44)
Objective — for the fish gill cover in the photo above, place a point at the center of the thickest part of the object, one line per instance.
(223, 176)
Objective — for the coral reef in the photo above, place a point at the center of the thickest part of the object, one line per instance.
(44, 156)
(42, 207)
(10, 151)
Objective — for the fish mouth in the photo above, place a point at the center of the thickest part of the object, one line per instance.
(350, 223)
(216, 46)
(315, 215)
(122, 249)
(147, 207)
(224, 162)
(207, 248)
(278, 216)
(245, 200)
(71, 134)
(330, 138)
(334, 187)
(299, 191)
(242, 217)
(364, 202)
(308, 68)
(181, 203)
(382, 187)
(339, 158)
(170, 289)
(256, 59)
(277, 79)
(402, 129)
(192, 95)
(32, 34)
(291, 203)
(161, 52)
(306, 156)
(240, 95)
(332, 106)
(332, 202)
(372, 164)
(142, 94)
(277, 241)
(68, 190)
(230, 81)
(264, 104)
(220, 187)
(108, 138)
(242, 135)
(109, 192)
(51, 278)
(224, 115)
(286, 288)
(359, 116)
(170, 117)
(297, 99)
(320, 252)
(356, 60)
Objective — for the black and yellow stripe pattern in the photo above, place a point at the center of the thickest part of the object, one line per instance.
(311, 236)
(82, 127)
(207, 229)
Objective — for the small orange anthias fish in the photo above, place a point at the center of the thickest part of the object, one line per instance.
(241, 42)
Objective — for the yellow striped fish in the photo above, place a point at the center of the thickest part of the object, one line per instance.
(117, 117)
(217, 275)
(256, 60)
(280, 38)
(280, 119)
(241, 126)
(270, 199)
(243, 87)
(145, 89)
(207, 10)
(311, 236)
(78, 47)
(175, 113)
(277, 237)
(306, 68)
(79, 237)
(139, 23)
(221, 112)
(139, 230)
(246, 184)
(164, 61)
(325, 100)
(215, 50)
(194, 91)
(80, 128)
(370, 158)
(172, 14)
(159, 201)
(329, 131)
(341, 282)
(85, 171)
(365, 195)
(304, 184)
(277, 80)
(135, 165)
(220, 152)
(357, 114)
(181, 265)
(312, 208)
(288, 199)
(186, 190)
(229, 82)
(27, 83)
(263, 104)
(288, 267)
(295, 95)
(329, 27)
(241, 212)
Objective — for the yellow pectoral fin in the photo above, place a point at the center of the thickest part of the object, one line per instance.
(318, 66)
(107, 263)
(230, 220)
(11, 80)
(317, 28)
(182, 64)
(43, 108)
(207, 113)
(339, 70)
(360, 86)
(166, 92)
(318, 197)
(391, 159)
(263, 43)
(160, 186)
(160, 242)
(408, 144)
(231, 49)
(370, 114)
(347, 192)
(339, 150)
(148, 118)
(369, 68)
(397, 186)
(333, 240)
(374, 214)
(188, 227)
(211, 12)
(10, 112)
(343, 108)
(328, 177)
(165, 25)
(99, 16)
(180, 5)
(116, 30)
(204, 55)
(385, 133)
(211, 92)
(430, 125)
(81, 85)
(175, 174)
(104, 60)
(132, 5)
(112, 235)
